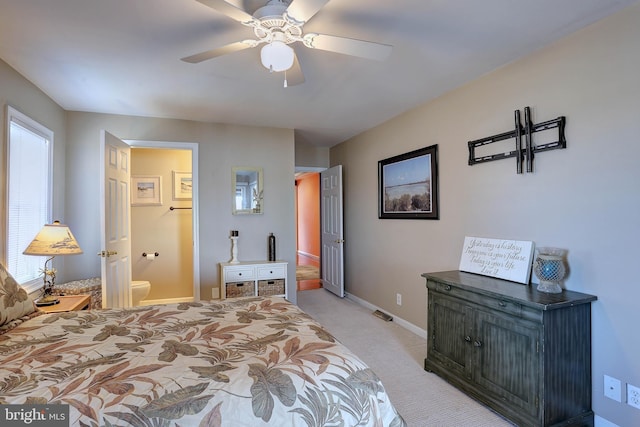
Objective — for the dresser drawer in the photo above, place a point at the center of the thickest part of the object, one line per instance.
(271, 272)
(500, 304)
(239, 274)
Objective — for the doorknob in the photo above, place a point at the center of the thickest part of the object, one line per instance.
(107, 254)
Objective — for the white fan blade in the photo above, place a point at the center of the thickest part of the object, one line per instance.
(294, 74)
(346, 46)
(203, 56)
(303, 10)
(228, 9)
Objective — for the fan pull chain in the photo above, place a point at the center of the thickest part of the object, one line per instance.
(285, 78)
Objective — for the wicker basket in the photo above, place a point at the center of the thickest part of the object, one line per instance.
(239, 289)
(91, 287)
(271, 287)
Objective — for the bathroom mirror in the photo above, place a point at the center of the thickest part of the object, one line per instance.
(247, 190)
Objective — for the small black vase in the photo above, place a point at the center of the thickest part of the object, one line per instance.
(272, 247)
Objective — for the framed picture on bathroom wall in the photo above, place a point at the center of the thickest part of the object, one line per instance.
(182, 187)
(146, 190)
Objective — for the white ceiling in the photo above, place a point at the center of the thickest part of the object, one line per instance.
(123, 57)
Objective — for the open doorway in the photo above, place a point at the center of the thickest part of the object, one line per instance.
(308, 250)
(177, 246)
(162, 230)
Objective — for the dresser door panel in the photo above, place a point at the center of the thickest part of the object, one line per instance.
(507, 359)
(449, 328)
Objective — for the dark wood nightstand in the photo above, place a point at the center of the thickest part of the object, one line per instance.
(68, 303)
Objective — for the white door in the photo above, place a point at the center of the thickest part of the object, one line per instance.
(115, 225)
(332, 238)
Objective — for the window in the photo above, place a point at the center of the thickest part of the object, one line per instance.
(29, 184)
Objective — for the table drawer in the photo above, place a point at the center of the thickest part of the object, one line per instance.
(271, 272)
(497, 303)
(238, 274)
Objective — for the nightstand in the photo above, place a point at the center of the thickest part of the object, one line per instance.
(68, 303)
(253, 278)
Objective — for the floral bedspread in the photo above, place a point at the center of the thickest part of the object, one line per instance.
(238, 362)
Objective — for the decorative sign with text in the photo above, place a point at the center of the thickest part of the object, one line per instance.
(504, 259)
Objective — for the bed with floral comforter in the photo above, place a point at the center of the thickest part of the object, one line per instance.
(237, 362)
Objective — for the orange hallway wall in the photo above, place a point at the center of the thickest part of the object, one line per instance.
(308, 215)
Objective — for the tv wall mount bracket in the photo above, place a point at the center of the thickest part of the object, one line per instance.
(523, 155)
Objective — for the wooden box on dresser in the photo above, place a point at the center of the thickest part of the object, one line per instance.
(524, 353)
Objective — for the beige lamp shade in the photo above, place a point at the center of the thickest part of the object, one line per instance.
(54, 239)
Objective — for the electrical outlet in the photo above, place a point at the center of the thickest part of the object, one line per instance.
(633, 396)
(612, 388)
(399, 299)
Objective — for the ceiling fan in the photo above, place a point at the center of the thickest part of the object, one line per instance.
(277, 25)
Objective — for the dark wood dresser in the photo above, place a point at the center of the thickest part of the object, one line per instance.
(524, 353)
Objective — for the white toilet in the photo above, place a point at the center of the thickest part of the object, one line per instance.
(139, 291)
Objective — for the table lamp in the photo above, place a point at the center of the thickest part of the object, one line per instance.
(53, 240)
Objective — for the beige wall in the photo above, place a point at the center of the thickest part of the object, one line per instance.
(309, 155)
(159, 229)
(584, 198)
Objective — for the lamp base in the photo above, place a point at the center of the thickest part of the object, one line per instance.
(47, 300)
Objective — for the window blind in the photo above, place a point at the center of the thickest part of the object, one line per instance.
(28, 197)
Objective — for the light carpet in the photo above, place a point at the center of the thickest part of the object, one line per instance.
(396, 355)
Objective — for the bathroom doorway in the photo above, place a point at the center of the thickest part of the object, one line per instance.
(164, 237)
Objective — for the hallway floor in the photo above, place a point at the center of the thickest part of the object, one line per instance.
(310, 283)
(305, 285)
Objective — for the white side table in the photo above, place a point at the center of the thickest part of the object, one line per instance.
(253, 278)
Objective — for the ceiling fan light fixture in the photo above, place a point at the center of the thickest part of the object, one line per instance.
(277, 56)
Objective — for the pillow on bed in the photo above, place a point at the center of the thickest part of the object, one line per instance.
(15, 303)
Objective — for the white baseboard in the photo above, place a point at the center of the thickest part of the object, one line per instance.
(165, 301)
(310, 256)
(400, 321)
(601, 422)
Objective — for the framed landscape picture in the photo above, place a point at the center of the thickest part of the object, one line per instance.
(408, 185)
(182, 186)
(146, 190)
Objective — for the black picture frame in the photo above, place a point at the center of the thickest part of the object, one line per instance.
(408, 185)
